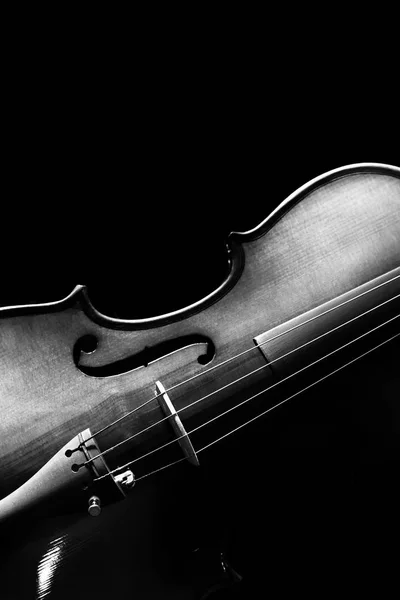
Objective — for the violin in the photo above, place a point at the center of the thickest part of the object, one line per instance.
(116, 431)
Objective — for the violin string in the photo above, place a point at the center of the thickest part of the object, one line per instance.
(248, 399)
(235, 381)
(256, 395)
(171, 464)
(252, 348)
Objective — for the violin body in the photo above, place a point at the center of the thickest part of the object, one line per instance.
(66, 367)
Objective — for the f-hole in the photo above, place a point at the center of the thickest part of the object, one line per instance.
(88, 344)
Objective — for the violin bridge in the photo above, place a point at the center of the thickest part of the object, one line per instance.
(177, 425)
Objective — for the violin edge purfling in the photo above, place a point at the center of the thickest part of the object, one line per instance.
(235, 257)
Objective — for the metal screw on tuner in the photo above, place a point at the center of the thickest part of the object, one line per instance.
(94, 508)
(126, 479)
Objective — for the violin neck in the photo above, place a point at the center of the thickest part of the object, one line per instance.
(324, 330)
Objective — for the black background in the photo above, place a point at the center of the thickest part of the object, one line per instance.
(142, 217)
